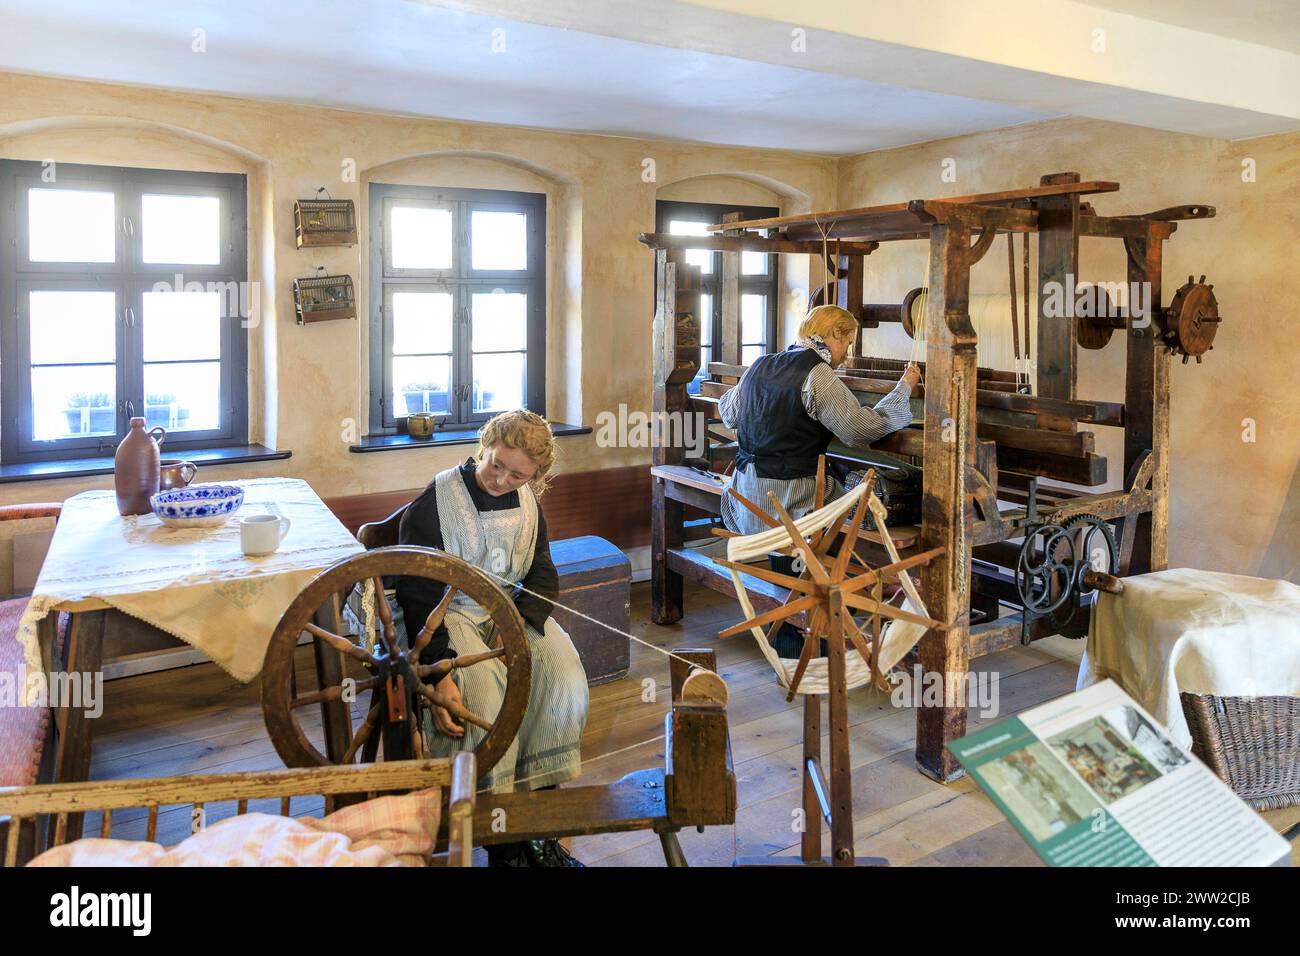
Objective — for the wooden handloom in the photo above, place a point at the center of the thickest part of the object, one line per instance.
(982, 488)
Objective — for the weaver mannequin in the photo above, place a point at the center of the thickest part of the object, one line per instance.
(786, 409)
(485, 512)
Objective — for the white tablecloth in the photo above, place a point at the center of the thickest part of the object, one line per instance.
(195, 584)
(1203, 632)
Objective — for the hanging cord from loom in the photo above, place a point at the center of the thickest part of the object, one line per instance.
(826, 263)
(1015, 322)
(917, 354)
(1029, 365)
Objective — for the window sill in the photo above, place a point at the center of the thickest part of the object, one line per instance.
(84, 467)
(465, 436)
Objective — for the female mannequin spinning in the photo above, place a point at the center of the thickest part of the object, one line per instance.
(485, 512)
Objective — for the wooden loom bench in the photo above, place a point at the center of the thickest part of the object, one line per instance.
(695, 788)
(1003, 442)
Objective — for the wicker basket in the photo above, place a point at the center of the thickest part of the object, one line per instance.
(1252, 743)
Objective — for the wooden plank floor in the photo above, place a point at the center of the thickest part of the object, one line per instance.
(198, 720)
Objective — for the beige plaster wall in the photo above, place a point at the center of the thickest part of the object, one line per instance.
(1235, 504)
(308, 385)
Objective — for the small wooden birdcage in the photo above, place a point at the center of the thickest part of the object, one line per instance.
(323, 297)
(325, 222)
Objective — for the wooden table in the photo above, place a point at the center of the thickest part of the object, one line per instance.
(128, 583)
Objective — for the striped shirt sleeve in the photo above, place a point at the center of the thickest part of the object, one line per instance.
(727, 406)
(832, 403)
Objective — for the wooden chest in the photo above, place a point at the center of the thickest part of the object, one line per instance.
(595, 579)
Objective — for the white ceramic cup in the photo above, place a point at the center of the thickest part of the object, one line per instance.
(262, 534)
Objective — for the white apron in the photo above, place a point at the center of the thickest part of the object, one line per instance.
(546, 751)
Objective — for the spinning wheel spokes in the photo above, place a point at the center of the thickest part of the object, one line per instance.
(363, 733)
(431, 625)
(336, 692)
(459, 711)
(399, 684)
(825, 591)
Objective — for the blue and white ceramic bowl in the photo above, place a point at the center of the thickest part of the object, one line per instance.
(199, 506)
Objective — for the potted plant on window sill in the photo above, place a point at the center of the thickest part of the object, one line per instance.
(163, 409)
(418, 397)
(89, 413)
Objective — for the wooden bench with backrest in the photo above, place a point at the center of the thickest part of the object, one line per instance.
(26, 733)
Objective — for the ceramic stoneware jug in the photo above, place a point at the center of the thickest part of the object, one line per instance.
(135, 468)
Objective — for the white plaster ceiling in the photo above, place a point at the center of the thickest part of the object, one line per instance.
(654, 68)
(1274, 23)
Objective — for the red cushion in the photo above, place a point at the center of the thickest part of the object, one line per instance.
(23, 730)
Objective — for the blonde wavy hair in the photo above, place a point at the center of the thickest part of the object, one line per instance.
(528, 432)
(827, 320)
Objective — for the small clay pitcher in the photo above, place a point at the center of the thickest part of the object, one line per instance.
(175, 473)
(136, 468)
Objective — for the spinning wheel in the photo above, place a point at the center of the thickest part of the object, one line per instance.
(399, 685)
(827, 590)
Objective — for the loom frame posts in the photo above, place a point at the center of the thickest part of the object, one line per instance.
(947, 521)
(1146, 404)
(676, 339)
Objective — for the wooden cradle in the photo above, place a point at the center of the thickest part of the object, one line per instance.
(51, 806)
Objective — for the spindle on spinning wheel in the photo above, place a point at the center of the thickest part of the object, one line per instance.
(390, 668)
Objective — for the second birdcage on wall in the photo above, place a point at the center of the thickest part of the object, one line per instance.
(323, 297)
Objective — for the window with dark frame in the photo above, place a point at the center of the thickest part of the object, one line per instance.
(457, 304)
(758, 280)
(124, 293)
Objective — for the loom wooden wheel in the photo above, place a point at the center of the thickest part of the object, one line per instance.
(1094, 331)
(906, 310)
(398, 684)
(1192, 320)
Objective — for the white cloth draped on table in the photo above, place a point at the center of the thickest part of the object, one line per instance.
(1200, 632)
(195, 584)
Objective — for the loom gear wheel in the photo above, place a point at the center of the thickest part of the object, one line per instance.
(1192, 320)
(1089, 554)
(1053, 559)
(1046, 569)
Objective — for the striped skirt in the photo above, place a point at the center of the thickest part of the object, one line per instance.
(547, 749)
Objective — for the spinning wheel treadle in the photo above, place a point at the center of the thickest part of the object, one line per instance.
(399, 685)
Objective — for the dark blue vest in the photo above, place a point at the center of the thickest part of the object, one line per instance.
(774, 430)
